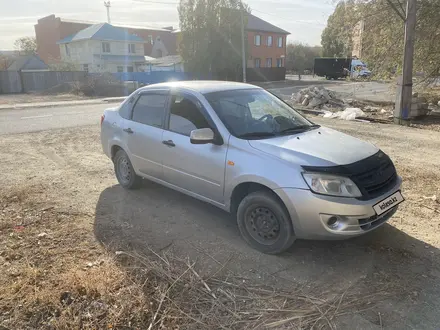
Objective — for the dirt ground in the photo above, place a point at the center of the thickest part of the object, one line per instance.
(64, 223)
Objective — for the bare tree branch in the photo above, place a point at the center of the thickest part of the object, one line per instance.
(401, 7)
(396, 10)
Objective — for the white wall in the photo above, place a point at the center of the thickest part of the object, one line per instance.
(159, 48)
(116, 47)
(147, 68)
(84, 51)
(77, 53)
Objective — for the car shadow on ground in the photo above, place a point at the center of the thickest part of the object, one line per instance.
(161, 219)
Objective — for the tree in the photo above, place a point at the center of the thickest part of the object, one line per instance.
(5, 62)
(26, 45)
(63, 66)
(383, 34)
(301, 57)
(336, 39)
(210, 41)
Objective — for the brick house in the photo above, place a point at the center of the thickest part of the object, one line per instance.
(51, 29)
(266, 44)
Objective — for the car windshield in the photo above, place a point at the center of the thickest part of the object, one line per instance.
(256, 114)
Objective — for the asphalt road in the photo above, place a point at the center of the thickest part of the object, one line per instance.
(39, 119)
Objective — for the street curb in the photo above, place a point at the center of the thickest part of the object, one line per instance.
(23, 106)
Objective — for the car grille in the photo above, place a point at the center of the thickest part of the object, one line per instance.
(374, 175)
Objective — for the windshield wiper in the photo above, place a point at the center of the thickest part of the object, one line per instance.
(256, 135)
(298, 129)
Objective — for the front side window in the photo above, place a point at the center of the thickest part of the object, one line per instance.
(255, 113)
(150, 109)
(185, 116)
(131, 48)
(257, 40)
(120, 69)
(106, 47)
(86, 67)
(129, 69)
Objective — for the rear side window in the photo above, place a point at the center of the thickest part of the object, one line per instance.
(124, 109)
(150, 109)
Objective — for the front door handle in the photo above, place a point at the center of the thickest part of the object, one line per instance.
(169, 143)
(128, 130)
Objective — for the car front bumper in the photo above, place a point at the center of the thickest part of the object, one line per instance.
(310, 213)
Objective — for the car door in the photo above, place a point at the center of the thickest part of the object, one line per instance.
(144, 132)
(195, 168)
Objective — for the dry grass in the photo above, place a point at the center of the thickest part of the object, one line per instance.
(232, 302)
(54, 275)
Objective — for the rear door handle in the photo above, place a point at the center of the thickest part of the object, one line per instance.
(169, 143)
(128, 130)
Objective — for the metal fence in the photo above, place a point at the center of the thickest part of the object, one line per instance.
(266, 74)
(152, 77)
(43, 80)
(23, 82)
(10, 82)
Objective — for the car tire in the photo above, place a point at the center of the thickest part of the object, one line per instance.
(124, 171)
(264, 223)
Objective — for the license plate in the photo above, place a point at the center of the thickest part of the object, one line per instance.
(388, 203)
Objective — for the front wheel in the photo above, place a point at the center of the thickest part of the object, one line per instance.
(124, 171)
(264, 223)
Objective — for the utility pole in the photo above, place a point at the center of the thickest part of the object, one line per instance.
(107, 5)
(243, 46)
(405, 83)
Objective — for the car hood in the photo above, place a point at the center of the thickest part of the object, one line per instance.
(318, 147)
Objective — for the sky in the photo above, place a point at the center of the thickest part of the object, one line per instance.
(304, 19)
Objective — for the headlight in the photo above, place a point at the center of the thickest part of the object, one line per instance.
(333, 185)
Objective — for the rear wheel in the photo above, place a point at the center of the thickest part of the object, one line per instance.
(124, 171)
(265, 223)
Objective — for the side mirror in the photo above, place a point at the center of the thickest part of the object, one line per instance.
(202, 136)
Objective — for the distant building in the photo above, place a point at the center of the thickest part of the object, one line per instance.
(51, 29)
(358, 33)
(103, 48)
(25, 63)
(267, 44)
(172, 63)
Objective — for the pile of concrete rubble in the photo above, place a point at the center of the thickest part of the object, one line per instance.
(318, 97)
(326, 103)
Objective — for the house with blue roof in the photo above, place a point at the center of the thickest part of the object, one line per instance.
(103, 48)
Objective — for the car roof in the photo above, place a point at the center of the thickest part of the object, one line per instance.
(202, 86)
